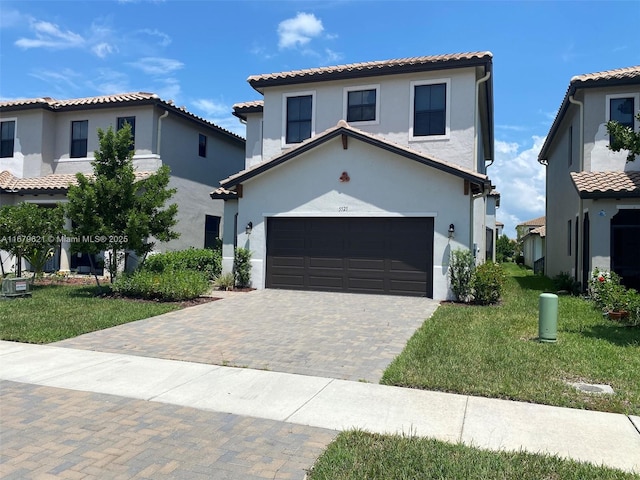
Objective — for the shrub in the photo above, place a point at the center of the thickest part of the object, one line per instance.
(633, 306)
(202, 260)
(488, 281)
(242, 267)
(461, 269)
(167, 286)
(225, 281)
(564, 281)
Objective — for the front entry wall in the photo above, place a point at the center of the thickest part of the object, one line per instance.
(357, 255)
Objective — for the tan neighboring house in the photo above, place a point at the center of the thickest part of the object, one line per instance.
(363, 178)
(45, 142)
(593, 193)
(532, 236)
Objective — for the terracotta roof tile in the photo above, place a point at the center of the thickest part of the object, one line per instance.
(46, 183)
(619, 73)
(375, 67)
(240, 110)
(542, 231)
(223, 193)
(536, 222)
(607, 184)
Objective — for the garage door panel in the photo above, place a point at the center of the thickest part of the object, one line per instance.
(368, 255)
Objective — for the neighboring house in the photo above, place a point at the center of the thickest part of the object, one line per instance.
(364, 177)
(593, 193)
(499, 229)
(531, 235)
(45, 142)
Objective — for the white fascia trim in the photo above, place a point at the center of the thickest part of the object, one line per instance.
(447, 131)
(285, 96)
(345, 103)
(350, 214)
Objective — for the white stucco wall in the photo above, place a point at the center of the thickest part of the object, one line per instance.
(382, 184)
(395, 108)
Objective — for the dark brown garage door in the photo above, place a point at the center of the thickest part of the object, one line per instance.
(359, 255)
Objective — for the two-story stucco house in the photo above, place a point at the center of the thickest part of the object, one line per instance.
(365, 177)
(45, 142)
(532, 235)
(593, 193)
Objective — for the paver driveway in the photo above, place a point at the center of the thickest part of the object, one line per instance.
(337, 335)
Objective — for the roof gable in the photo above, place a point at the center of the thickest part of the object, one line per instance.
(480, 181)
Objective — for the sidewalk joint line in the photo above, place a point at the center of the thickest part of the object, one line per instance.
(464, 418)
(331, 380)
(636, 427)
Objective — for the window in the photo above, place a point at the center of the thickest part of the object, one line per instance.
(211, 231)
(7, 136)
(429, 109)
(621, 110)
(132, 122)
(361, 104)
(79, 136)
(299, 118)
(202, 145)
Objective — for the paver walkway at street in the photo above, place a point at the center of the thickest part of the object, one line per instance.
(344, 336)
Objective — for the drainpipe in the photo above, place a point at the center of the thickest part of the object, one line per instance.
(164, 115)
(476, 115)
(580, 253)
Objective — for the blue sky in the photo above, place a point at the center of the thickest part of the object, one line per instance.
(200, 53)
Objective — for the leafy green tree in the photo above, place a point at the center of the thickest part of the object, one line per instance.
(31, 232)
(624, 138)
(505, 248)
(113, 211)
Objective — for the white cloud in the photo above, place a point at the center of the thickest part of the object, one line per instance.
(298, 31)
(49, 35)
(104, 49)
(520, 179)
(163, 38)
(157, 65)
(211, 108)
(60, 80)
(109, 81)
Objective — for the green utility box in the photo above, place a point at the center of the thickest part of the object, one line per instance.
(15, 288)
(548, 318)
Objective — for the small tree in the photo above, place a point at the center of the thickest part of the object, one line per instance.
(624, 138)
(505, 248)
(461, 268)
(114, 212)
(242, 267)
(31, 232)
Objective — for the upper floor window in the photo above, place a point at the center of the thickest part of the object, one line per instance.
(79, 137)
(299, 111)
(132, 123)
(621, 110)
(202, 145)
(7, 137)
(429, 110)
(361, 104)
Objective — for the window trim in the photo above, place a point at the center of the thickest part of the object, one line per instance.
(200, 153)
(288, 95)
(86, 139)
(358, 88)
(447, 113)
(15, 134)
(636, 106)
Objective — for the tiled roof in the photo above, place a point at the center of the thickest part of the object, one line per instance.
(108, 101)
(56, 182)
(619, 76)
(536, 222)
(240, 110)
(223, 193)
(607, 184)
(344, 128)
(382, 67)
(542, 231)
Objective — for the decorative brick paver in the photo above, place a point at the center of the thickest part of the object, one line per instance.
(50, 433)
(344, 336)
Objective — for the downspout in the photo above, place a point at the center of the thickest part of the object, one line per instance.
(164, 115)
(580, 253)
(476, 116)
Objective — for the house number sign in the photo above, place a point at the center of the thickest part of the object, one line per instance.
(343, 209)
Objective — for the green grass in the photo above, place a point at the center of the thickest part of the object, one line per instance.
(356, 455)
(494, 352)
(57, 312)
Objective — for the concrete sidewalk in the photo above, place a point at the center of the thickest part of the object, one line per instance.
(596, 437)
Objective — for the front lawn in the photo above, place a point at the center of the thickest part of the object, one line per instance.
(493, 352)
(357, 455)
(57, 312)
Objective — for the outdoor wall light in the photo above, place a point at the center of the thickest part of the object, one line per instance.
(452, 230)
(248, 228)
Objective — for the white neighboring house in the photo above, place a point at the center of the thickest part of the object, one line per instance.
(45, 142)
(593, 193)
(532, 235)
(364, 177)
